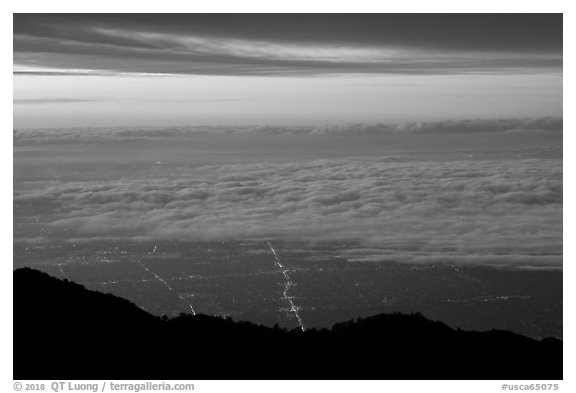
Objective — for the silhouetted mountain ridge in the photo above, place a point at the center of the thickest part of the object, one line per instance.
(64, 331)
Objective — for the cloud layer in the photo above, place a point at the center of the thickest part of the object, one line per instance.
(40, 101)
(270, 45)
(87, 134)
(494, 212)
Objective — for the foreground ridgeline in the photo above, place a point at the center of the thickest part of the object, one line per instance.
(64, 331)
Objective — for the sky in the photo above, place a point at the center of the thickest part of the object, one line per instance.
(283, 69)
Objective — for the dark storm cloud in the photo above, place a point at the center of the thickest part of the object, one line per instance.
(263, 44)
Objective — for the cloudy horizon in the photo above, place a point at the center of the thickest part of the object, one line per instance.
(419, 137)
(165, 70)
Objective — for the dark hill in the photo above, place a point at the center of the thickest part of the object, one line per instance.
(64, 331)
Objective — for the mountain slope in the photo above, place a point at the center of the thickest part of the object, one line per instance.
(64, 331)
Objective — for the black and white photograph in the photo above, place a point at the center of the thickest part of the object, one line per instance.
(288, 196)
